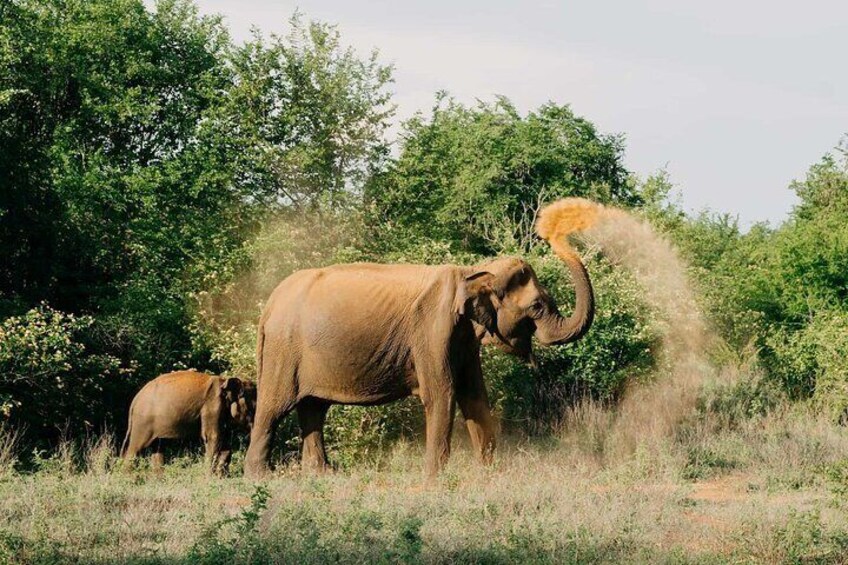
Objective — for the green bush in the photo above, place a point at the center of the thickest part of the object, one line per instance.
(728, 405)
(463, 170)
(50, 380)
(813, 361)
(621, 346)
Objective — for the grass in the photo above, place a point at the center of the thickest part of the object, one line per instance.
(769, 489)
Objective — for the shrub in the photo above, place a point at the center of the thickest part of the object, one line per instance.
(812, 361)
(49, 378)
(621, 346)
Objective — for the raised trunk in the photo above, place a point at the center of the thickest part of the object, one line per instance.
(557, 330)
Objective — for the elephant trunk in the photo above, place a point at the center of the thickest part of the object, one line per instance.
(554, 329)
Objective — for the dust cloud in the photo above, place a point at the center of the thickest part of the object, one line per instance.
(648, 412)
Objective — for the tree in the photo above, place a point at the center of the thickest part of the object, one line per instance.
(140, 149)
(311, 114)
(463, 170)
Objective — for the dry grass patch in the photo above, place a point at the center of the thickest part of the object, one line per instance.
(553, 501)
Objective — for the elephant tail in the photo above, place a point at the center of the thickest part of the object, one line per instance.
(260, 346)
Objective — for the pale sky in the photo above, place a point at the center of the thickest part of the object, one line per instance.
(735, 98)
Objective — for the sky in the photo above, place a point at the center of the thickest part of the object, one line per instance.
(733, 98)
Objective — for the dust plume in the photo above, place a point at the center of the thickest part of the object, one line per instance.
(651, 411)
(227, 312)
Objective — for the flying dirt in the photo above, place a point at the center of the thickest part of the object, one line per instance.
(652, 411)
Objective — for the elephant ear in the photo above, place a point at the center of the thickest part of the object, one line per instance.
(231, 386)
(471, 288)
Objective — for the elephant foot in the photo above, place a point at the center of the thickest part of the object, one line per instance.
(315, 461)
(316, 467)
(256, 470)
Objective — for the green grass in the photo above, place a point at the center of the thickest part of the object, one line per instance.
(782, 500)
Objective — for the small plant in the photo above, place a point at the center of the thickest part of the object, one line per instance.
(249, 517)
(837, 479)
(62, 461)
(410, 543)
(803, 538)
(100, 454)
(216, 546)
(703, 462)
(8, 450)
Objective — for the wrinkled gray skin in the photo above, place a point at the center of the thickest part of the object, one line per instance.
(185, 404)
(370, 334)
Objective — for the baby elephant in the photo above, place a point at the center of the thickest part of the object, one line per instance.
(184, 403)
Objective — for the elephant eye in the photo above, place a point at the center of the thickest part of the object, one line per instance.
(537, 309)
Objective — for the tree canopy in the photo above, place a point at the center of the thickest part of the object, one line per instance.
(462, 170)
(158, 178)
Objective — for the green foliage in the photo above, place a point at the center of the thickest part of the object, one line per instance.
(780, 293)
(703, 463)
(837, 477)
(141, 148)
(49, 378)
(235, 538)
(463, 170)
(620, 347)
(801, 287)
(731, 405)
(804, 539)
(311, 114)
(105, 207)
(812, 361)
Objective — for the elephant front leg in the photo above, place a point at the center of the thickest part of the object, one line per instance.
(213, 443)
(438, 412)
(222, 466)
(312, 414)
(474, 404)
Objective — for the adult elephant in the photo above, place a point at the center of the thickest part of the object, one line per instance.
(369, 334)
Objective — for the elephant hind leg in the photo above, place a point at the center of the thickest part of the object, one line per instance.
(277, 395)
(312, 413)
(157, 459)
(256, 463)
(138, 441)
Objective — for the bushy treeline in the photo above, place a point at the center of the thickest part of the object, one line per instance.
(781, 292)
(157, 180)
(140, 150)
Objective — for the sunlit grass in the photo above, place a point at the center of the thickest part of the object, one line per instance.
(769, 490)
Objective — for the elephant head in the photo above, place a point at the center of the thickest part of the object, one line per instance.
(239, 396)
(522, 307)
